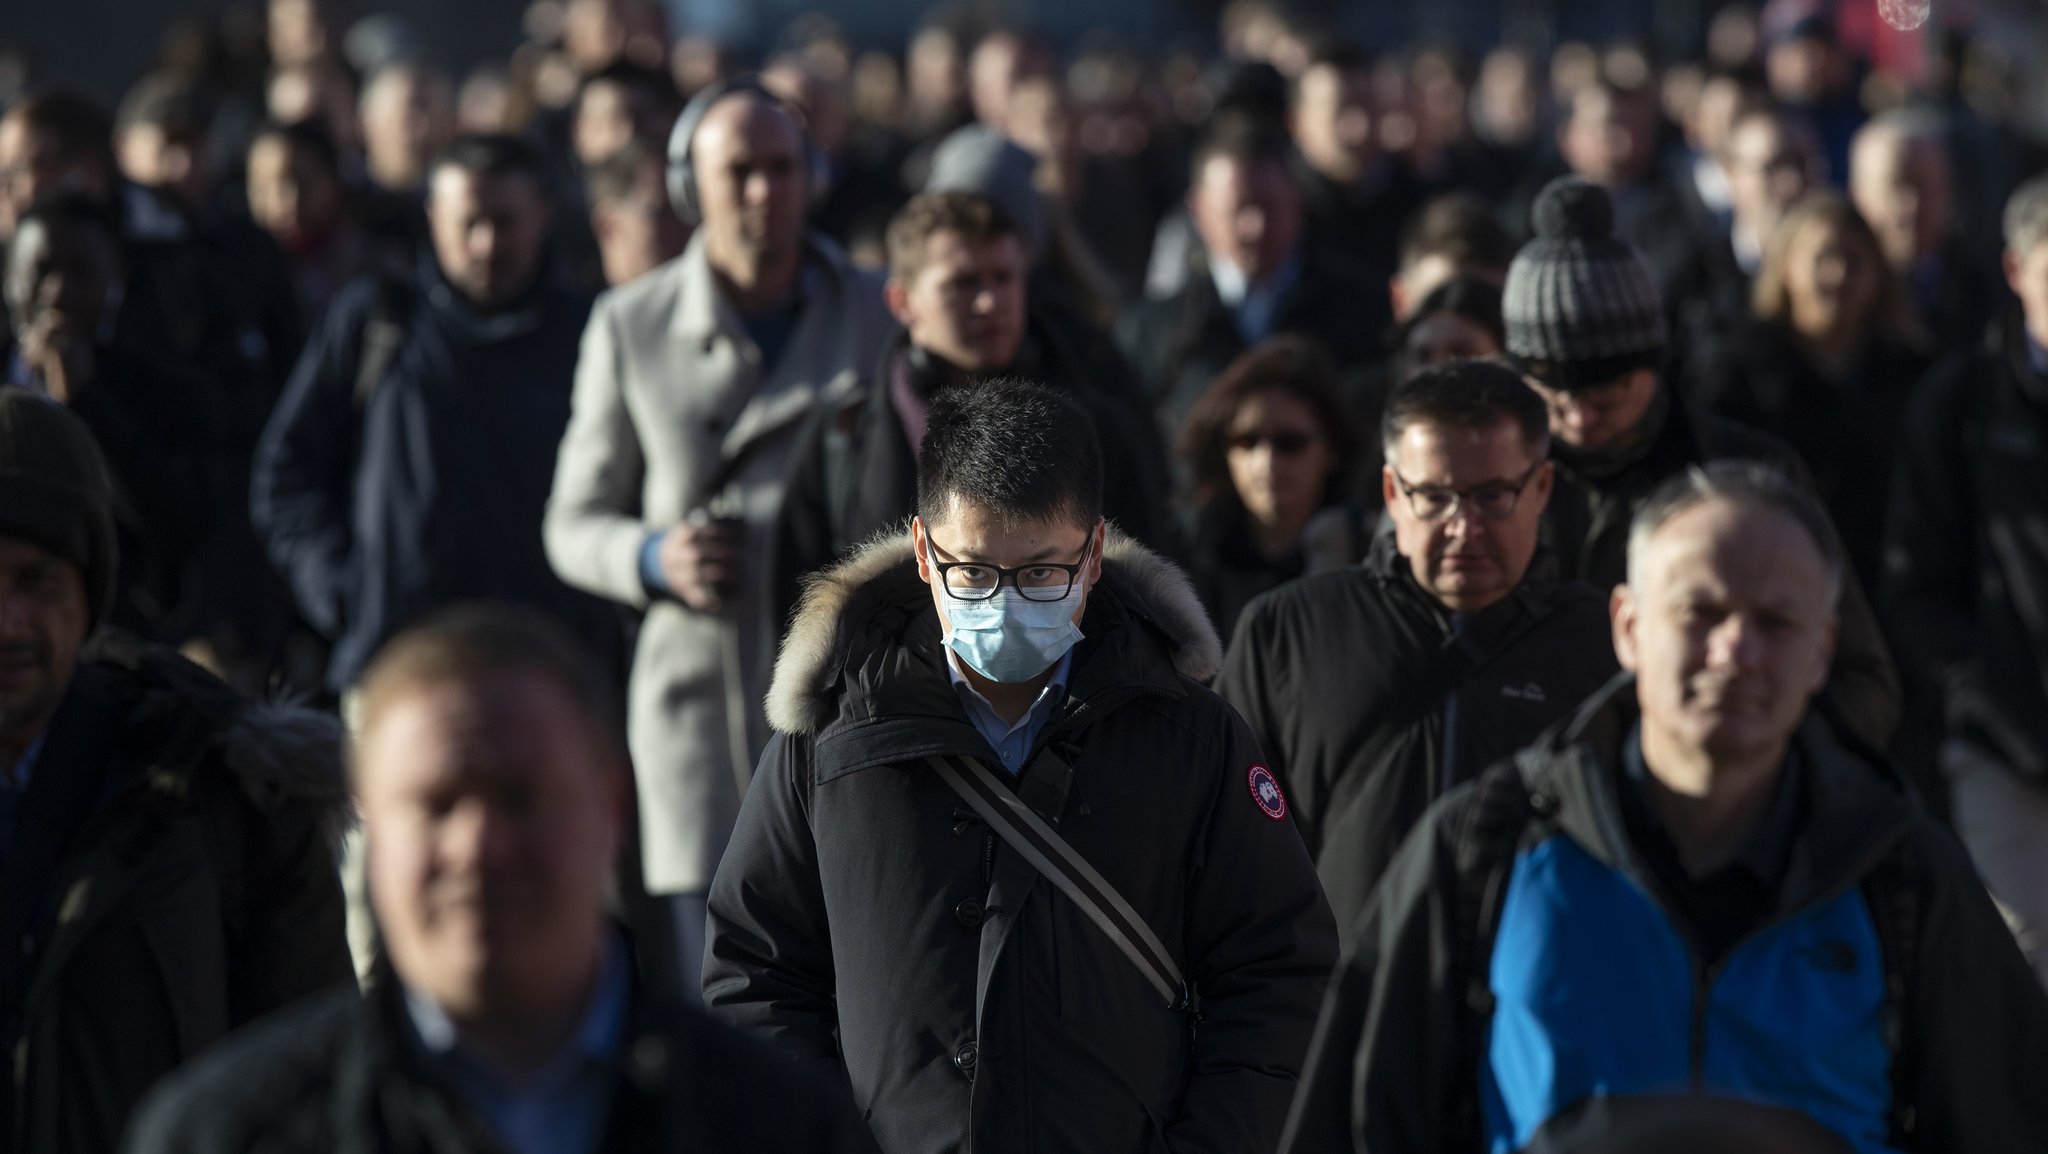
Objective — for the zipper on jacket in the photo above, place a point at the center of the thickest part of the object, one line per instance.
(1702, 995)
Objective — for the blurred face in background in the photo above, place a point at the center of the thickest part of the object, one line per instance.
(408, 118)
(1333, 121)
(293, 196)
(177, 164)
(824, 94)
(1769, 167)
(751, 177)
(1901, 186)
(1831, 279)
(1248, 212)
(2026, 273)
(640, 231)
(1610, 137)
(965, 303)
(999, 62)
(488, 231)
(1280, 462)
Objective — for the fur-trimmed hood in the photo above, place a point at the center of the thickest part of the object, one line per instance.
(842, 607)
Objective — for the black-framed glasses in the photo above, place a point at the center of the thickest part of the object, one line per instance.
(978, 580)
(1490, 502)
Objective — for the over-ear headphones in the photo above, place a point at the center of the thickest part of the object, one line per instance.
(682, 166)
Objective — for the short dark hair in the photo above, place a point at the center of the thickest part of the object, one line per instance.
(1289, 364)
(1466, 395)
(1478, 301)
(1335, 52)
(654, 83)
(305, 136)
(977, 218)
(1024, 451)
(612, 179)
(1461, 229)
(73, 122)
(468, 643)
(494, 154)
(167, 101)
(1249, 141)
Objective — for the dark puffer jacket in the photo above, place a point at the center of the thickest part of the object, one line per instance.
(864, 919)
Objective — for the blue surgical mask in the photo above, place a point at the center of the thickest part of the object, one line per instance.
(1008, 639)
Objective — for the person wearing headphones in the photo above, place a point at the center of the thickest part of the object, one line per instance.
(707, 393)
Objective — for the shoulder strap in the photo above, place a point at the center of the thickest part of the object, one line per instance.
(1063, 866)
(1894, 895)
(1483, 846)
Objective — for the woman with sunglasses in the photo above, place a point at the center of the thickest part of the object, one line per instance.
(1270, 449)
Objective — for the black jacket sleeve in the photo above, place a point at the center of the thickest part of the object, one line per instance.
(1979, 1029)
(300, 491)
(1930, 575)
(1258, 684)
(768, 954)
(1260, 944)
(1382, 1069)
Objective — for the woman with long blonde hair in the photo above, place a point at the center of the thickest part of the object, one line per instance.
(1827, 361)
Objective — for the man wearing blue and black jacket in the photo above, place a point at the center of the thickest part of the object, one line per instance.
(1695, 893)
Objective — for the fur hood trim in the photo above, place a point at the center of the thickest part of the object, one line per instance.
(282, 753)
(800, 699)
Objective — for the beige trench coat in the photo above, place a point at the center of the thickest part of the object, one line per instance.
(671, 415)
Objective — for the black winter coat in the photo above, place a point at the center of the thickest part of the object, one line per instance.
(866, 921)
(172, 876)
(1395, 1062)
(430, 491)
(1361, 763)
(1846, 432)
(1587, 523)
(341, 1075)
(1181, 343)
(1967, 569)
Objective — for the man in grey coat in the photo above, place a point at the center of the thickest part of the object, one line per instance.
(703, 391)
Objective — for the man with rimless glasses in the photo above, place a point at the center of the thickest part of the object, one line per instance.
(873, 918)
(1375, 689)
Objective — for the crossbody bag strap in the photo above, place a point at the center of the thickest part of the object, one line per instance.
(1063, 866)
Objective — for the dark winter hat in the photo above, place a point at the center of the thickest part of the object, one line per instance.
(1581, 306)
(973, 159)
(54, 490)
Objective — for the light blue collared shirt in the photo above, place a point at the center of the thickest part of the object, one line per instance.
(561, 1108)
(1255, 307)
(1012, 743)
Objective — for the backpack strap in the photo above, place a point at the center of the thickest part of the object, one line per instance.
(1895, 894)
(1483, 848)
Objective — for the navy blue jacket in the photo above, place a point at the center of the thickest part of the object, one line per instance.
(431, 490)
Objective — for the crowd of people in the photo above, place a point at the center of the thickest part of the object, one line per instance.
(1301, 596)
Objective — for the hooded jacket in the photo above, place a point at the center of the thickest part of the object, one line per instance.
(172, 876)
(1594, 988)
(864, 919)
(1424, 706)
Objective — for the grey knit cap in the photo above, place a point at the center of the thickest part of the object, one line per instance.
(1581, 307)
(973, 159)
(54, 489)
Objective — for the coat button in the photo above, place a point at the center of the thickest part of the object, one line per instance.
(965, 1057)
(970, 914)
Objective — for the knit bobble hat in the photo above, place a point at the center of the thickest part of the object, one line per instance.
(1581, 307)
(54, 490)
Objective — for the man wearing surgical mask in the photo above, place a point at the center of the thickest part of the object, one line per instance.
(966, 1000)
